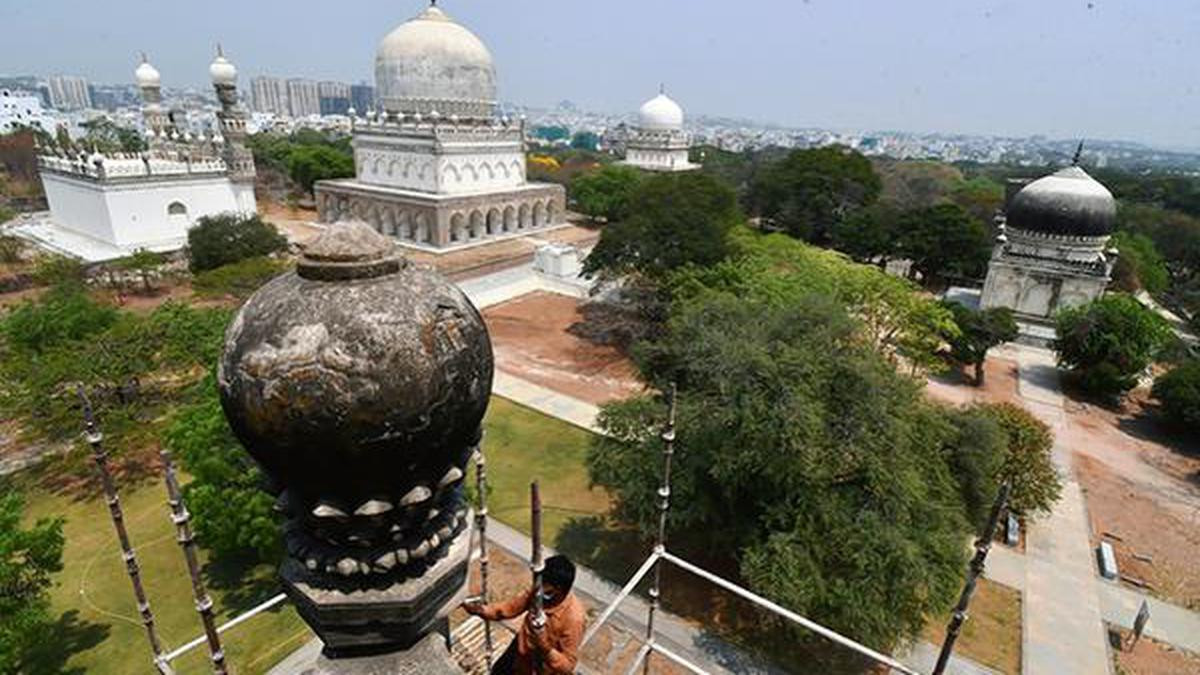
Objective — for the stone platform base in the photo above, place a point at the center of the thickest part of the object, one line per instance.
(442, 221)
(430, 656)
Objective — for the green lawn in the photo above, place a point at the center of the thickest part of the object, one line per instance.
(99, 627)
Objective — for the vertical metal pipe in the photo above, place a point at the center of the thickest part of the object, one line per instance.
(96, 440)
(187, 541)
(664, 505)
(537, 565)
(481, 515)
(982, 546)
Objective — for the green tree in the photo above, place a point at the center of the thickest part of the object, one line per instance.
(1108, 343)
(230, 237)
(807, 459)
(308, 164)
(234, 517)
(144, 263)
(976, 455)
(1028, 461)
(808, 192)
(980, 196)
(585, 140)
(62, 315)
(979, 331)
(606, 192)
(107, 136)
(868, 235)
(59, 270)
(1179, 393)
(1139, 265)
(551, 133)
(944, 241)
(28, 559)
(675, 220)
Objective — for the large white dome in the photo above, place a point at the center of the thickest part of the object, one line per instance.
(431, 63)
(660, 113)
(222, 71)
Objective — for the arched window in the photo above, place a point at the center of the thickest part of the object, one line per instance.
(176, 209)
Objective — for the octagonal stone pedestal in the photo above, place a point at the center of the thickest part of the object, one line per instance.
(353, 620)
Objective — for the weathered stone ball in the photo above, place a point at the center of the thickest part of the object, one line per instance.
(358, 375)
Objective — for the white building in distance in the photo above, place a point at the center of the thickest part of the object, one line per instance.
(19, 109)
(106, 206)
(437, 168)
(659, 143)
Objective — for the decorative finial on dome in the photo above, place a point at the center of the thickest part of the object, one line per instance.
(220, 52)
(662, 87)
(145, 59)
(1078, 154)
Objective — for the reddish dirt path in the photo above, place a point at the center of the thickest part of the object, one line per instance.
(531, 341)
(957, 388)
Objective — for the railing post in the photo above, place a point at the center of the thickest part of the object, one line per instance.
(982, 546)
(96, 440)
(537, 565)
(187, 541)
(664, 505)
(481, 516)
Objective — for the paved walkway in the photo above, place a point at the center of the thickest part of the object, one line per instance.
(572, 410)
(1063, 626)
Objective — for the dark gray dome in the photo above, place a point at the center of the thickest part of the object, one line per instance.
(1067, 203)
(359, 374)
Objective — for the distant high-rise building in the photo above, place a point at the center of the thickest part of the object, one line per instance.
(335, 98)
(304, 97)
(362, 97)
(69, 92)
(270, 95)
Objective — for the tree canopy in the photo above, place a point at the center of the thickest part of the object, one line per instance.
(979, 331)
(803, 455)
(1139, 264)
(944, 241)
(308, 164)
(606, 192)
(808, 192)
(1179, 393)
(28, 558)
(674, 220)
(1109, 342)
(230, 237)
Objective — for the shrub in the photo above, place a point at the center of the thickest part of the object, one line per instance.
(1109, 342)
(228, 238)
(64, 314)
(1179, 393)
(1028, 462)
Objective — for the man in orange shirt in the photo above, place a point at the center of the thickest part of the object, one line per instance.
(557, 642)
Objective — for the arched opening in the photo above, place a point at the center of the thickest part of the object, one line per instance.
(551, 213)
(457, 223)
(539, 214)
(177, 215)
(524, 220)
(510, 219)
(476, 225)
(421, 229)
(493, 221)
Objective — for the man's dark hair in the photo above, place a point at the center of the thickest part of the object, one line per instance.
(559, 571)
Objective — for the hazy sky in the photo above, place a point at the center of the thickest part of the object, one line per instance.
(1117, 69)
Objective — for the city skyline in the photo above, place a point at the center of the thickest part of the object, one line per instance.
(1095, 69)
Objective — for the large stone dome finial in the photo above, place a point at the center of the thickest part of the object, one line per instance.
(359, 383)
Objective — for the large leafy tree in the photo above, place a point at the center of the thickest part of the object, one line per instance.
(606, 192)
(234, 517)
(868, 235)
(804, 456)
(1179, 393)
(808, 192)
(1139, 265)
(674, 220)
(308, 164)
(1027, 461)
(29, 556)
(944, 241)
(978, 331)
(230, 237)
(1109, 342)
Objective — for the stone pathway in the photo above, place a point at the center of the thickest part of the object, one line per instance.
(560, 406)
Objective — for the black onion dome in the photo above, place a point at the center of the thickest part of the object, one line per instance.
(357, 373)
(1066, 203)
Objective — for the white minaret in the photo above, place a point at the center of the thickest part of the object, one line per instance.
(158, 124)
(232, 119)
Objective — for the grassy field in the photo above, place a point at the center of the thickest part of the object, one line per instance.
(99, 627)
(992, 634)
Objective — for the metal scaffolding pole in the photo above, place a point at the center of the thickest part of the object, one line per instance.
(538, 566)
(96, 440)
(982, 546)
(664, 505)
(187, 541)
(481, 515)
